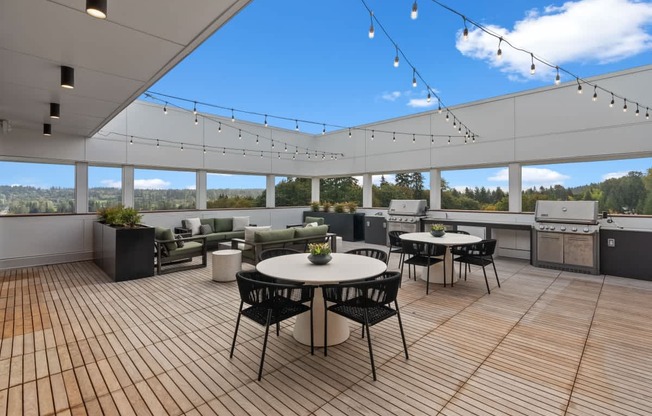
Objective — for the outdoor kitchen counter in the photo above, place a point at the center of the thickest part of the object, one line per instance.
(488, 224)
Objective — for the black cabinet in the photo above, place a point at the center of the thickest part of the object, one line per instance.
(375, 230)
(348, 226)
(124, 253)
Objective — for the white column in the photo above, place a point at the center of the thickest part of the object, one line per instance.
(270, 191)
(367, 190)
(200, 190)
(128, 186)
(81, 187)
(314, 196)
(435, 189)
(515, 187)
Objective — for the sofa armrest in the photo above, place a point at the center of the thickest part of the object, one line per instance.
(236, 241)
(181, 230)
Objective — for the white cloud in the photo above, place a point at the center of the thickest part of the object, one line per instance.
(614, 175)
(192, 187)
(151, 184)
(391, 96)
(110, 183)
(420, 103)
(533, 177)
(582, 31)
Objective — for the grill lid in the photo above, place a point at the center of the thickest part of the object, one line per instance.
(580, 212)
(407, 207)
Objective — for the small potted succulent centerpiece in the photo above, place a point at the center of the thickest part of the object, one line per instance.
(437, 230)
(320, 253)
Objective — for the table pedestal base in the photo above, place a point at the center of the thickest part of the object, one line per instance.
(437, 271)
(338, 326)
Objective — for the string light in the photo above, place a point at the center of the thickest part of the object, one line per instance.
(204, 149)
(396, 58)
(532, 67)
(637, 112)
(223, 151)
(196, 120)
(219, 127)
(499, 52)
(256, 140)
(428, 98)
(465, 34)
(131, 140)
(415, 11)
(371, 28)
(165, 108)
(454, 122)
(194, 108)
(323, 130)
(261, 154)
(432, 139)
(279, 155)
(595, 93)
(394, 136)
(239, 134)
(232, 116)
(286, 147)
(449, 139)
(157, 145)
(557, 78)
(349, 132)
(372, 134)
(446, 116)
(625, 105)
(647, 113)
(182, 147)
(296, 126)
(414, 77)
(611, 104)
(265, 120)
(244, 153)
(414, 140)
(579, 86)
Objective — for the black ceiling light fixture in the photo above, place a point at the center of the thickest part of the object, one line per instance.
(96, 8)
(67, 77)
(47, 129)
(55, 110)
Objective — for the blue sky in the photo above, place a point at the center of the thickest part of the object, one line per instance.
(314, 60)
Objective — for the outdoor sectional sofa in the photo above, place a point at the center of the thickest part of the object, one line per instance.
(222, 230)
(296, 238)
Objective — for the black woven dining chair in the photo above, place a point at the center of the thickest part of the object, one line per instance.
(367, 303)
(370, 252)
(396, 246)
(270, 303)
(478, 254)
(422, 254)
(275, 252)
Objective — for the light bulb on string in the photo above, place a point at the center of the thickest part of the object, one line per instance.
(194, 108)
(465, 33)
(223, 151)
(414, 139)
(499, 52)
(396, 59)
(157, 145)
(323, 131)
(647, 113)
(219, 127)
(439, 106)
(414, 77)
(244, 154)
(349, 132)
(131, 140)
(454, 122)
(286, 147)
(371, 27)
(182, 147)
(473, 138)
(294, 157)
(232, 116)
(261, 154)
(256, 140)
(579, 86)
(625, 105)
(415, 11)
(595, 93)
(532, 67)
(465, 142)
(296, 125)
(265, 120)
(204, 149)
(272, 144)
(459, 130)
(428, 98)
(449, 139)
(372, 135)
(394, 136)
(165, 108)
(279, 155)
(196, 120)
(557, 78)
(637, 112)
(611, 104)
(432, 139)
(239, 134)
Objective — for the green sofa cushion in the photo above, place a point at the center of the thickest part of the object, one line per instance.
(318, 220)
(216, 237)
(161, 233)
(189, 248)
(209, 221)
(311, 231)
(233, 234)
(273, 235)
(222, 225)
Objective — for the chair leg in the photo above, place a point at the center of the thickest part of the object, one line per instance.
(402, 271)
(495, 272)
(400, 326)
(262, 357)
(427, 277)
(278, 328)
(312, 337)
(362, 330)
(325, 329)
(485, 280)
(371, 352)
(235, 334)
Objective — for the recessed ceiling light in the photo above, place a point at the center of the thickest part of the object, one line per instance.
(54, 110)
(47, 129)
(67, 77)
(96, 8)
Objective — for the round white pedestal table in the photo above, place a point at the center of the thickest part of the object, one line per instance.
(448, 239)
(226, 263)
(342, 268)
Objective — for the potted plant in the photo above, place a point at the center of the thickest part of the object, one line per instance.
(339, 208)
(437, 230)
(327, 206)
(314, 206)
(352, 206)
(320, 253)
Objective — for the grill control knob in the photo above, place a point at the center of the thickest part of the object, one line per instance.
(562, 228)
(552, 228)
(574, 229)
(542, 227)
(586, 229)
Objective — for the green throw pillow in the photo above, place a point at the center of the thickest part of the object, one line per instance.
(165, 234)
(311, 231)
(273, 235)
(223, 224)
(318, 220)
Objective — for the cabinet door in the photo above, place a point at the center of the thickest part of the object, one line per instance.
(578, 250)
(550, 247)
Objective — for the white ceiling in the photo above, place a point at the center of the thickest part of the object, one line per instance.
(115, 60)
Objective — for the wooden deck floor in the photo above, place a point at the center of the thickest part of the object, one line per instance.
(546, 343)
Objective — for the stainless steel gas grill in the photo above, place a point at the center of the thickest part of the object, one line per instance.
(406, 215)
(566, 236)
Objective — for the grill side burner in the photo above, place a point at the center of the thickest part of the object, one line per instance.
(566, 236)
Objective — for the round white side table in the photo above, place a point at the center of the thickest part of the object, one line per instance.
(226, 263)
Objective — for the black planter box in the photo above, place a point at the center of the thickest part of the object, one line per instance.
(348, 226)
(124, 253)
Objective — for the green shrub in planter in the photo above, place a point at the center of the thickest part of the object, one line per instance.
(339, 208)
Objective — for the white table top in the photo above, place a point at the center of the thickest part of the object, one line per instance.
(343, 267)
(448, 239)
